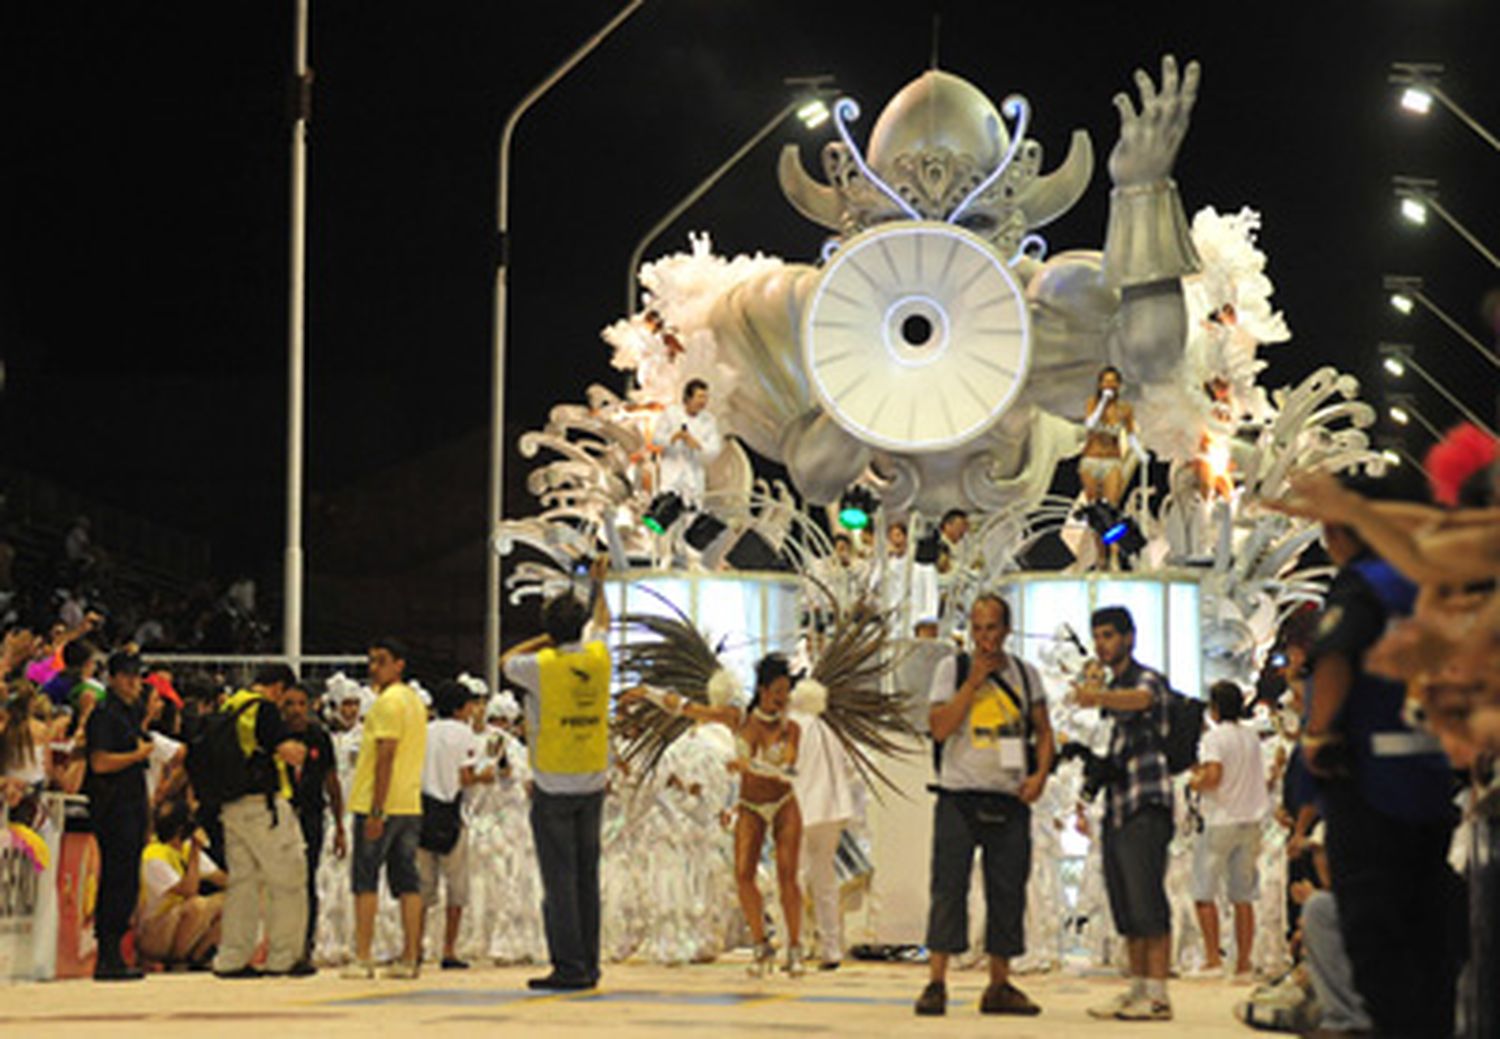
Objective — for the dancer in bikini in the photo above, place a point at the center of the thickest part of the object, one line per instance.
(766, 742)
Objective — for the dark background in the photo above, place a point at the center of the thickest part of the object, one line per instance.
(143, 225)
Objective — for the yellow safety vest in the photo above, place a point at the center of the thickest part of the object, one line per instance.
(572, 733)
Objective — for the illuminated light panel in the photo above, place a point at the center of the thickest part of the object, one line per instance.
(1414, 210)
(1402, 302)
(1395, 367)
(1416, 100)
(1399, 416)
(1390, 457)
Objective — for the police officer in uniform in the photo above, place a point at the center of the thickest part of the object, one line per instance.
(1386, 792)
(116, 786)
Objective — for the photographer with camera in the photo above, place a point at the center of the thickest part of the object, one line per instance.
(989, 714)
(1138, 813)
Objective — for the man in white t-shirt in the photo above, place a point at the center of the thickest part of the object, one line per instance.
(989, 715)
(454, 754)
(1231, 775)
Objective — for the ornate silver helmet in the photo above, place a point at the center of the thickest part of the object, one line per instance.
(940, 151)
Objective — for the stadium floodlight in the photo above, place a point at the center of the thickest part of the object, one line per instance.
(1402, 410)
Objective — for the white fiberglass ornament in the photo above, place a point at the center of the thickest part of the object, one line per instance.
(917, 337)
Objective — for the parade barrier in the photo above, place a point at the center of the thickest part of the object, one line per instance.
(30, 859)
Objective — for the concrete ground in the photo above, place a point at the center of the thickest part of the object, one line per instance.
(634, 1000)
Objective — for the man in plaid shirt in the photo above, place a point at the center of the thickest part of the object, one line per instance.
(1138, 816)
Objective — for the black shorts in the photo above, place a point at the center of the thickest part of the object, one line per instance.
(396, 851)
(1135, 873)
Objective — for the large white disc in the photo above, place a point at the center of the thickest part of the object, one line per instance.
(916, 337)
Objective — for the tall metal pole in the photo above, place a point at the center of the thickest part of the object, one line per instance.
(1457, 329)
(1467, 119)
(291, 637)
(1463, 232)
(1449, 397)
(492, 591)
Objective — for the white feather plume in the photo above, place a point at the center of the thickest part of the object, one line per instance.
(723, 688)
(809, 696)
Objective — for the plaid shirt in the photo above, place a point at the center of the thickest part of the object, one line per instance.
(1136, 748)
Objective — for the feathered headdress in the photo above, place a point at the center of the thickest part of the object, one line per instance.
(845, 688)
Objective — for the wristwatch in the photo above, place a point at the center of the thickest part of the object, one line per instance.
(377, 813)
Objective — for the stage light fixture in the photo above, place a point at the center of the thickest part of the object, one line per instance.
(1402, 302)
(856, 507)
(703, 531)
(1391, 457)
(663, 512)
(1399, 415)
(1394, 366)
(1414, 210)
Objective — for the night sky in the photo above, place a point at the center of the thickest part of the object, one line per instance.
(143, 217)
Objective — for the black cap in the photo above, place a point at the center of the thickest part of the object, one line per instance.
(123, 663)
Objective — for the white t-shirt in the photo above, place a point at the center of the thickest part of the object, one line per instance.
(451, 746)
(163, 750)
(1241, 794)
(987, 752)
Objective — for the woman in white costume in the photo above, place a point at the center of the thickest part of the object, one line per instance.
(826, 796)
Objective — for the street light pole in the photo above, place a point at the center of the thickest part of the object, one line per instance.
(296, 406)
(492, 593)
(1419, 194)
(1420, 79)
(1467, 235)
(1410, 288)
(1399, 358)
(817, 85)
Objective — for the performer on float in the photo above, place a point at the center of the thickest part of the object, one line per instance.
(766, 743)
(1101, 468)
(845, 691)
(687, 435)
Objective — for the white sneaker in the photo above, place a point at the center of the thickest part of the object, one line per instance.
(1110, 1010)
(1144, 1008)
(358, 970)
(1215, 973)
(1244, 977)
(403, 970)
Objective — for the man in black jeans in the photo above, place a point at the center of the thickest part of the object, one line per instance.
(116, 786)
(986, 709)
(314, 786)
(1386, 793)
(566, 673)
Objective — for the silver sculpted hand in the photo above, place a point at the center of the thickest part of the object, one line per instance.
(1149, 140)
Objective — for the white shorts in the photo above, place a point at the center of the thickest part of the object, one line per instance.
(1229, 852)
(453, 868)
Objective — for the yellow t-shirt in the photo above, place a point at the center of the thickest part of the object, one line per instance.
(397, 714)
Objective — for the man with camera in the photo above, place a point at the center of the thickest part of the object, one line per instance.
(989, 714)
(1137, 814)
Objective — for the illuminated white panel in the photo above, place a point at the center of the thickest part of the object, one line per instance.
(1185, 634)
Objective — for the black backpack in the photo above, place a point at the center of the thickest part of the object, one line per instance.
(1184, 729)
(216, 764)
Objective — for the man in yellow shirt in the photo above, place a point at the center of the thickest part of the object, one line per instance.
(386, 801)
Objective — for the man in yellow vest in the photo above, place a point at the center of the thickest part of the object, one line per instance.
(262, 838)
(566, 673)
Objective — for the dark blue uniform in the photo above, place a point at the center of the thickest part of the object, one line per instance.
(117, 808)
(1389, 823)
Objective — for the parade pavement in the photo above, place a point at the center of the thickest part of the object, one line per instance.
(633, 1000)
